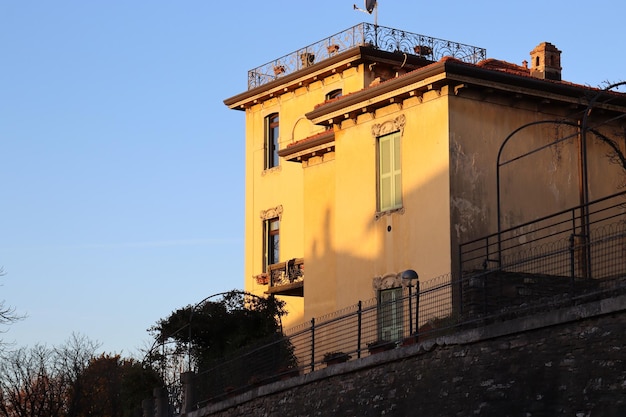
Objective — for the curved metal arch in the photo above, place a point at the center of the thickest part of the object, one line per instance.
(583, 128)
(583, 144)
(162, 343)
(204, 300)
(498, 165)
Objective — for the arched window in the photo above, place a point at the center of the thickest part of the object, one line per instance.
(331, 95)
(334, 94)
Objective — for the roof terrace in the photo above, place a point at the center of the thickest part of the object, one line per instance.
(364, 34)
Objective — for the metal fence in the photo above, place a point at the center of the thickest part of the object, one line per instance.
(572, 243)
(553, 266)
(354, 332)
(380, 37)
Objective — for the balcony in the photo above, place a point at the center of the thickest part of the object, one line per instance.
(364, 34)
(287, 278)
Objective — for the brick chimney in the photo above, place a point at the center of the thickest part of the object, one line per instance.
(545, 62)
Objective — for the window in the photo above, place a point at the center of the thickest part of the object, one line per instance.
(334, 94)
(390, 314)
(389, 172)
(331, 95)
(271, 242)
(271, 141)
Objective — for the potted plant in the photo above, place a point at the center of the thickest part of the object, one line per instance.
(254, 380)
(287, 372)
(380, 346)
(332, 358)
(422, 50)
(262, 279)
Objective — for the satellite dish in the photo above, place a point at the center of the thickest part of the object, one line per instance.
(370, 7)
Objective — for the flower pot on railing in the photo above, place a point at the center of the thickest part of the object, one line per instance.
(307, 59)
(380, 346)
(422, 50)
(288, 372)
(411, 340)
(255, 381)
(332, 49)
(229, 391)
(262, 279)
(333, 358)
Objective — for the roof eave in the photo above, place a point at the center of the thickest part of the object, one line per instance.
(318, 71)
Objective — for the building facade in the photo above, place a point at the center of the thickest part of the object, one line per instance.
(376, 150)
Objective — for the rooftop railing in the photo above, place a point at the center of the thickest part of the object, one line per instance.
(364, 34)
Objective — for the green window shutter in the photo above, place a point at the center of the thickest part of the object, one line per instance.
(397, 172)
(390, 173)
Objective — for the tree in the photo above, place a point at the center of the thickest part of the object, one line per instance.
(214, 332)
(211, 330)
(114, 387)
(70, 381)
(29, 385)
(8, 315)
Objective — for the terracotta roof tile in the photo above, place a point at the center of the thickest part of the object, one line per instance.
(491, 64)
(311, 138)
(499, 65)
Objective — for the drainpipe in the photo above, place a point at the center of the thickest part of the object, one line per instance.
(583, 192)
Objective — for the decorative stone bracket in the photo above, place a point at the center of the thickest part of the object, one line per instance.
(397, 124)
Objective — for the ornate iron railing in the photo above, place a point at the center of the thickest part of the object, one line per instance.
(285, 273)
(380, 37)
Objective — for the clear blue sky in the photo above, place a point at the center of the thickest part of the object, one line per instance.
(121, 170)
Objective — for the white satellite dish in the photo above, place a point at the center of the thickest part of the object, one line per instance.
(370, 7)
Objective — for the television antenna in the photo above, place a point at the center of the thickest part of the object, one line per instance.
(371, 6)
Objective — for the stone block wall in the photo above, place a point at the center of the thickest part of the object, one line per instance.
(568, 362)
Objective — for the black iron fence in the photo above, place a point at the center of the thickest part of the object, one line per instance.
(538, 266)
(380, 37)
(360, 330)
(572, 243)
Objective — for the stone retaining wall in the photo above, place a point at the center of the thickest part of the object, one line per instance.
(568, 362)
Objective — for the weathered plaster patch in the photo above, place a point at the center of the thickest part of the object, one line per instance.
(468, 214)
(465, 164)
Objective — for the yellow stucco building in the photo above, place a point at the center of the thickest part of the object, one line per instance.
(377, 150)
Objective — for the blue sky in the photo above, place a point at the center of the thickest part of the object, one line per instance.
(121, 170)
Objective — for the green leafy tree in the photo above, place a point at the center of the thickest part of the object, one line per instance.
(215, 329)
(231, 340)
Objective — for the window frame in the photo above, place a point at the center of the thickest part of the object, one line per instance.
(271, 242)
(333, 94)
(390, 317)
(389, 182)
(271, 141)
